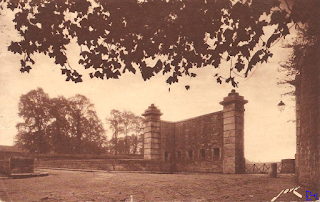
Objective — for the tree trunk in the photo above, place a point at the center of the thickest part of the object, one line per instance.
(116, 143)
(79, 135)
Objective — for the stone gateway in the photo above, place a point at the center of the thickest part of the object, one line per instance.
(209, 143)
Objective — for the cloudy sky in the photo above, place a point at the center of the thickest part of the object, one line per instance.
(269, 134)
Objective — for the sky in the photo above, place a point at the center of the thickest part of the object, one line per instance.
(269, 134)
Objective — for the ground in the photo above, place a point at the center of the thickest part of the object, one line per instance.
(63, 185)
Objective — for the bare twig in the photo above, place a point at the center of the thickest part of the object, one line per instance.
(67, 61)
(290, 9)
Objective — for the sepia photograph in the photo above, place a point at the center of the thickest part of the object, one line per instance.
(159, 100)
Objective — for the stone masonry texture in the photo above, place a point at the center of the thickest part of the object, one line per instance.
(209, 143)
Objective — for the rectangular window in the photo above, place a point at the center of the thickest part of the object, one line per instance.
(178, 154)
(203, 153)
(166, 156)
(190, 153)
(216, 153)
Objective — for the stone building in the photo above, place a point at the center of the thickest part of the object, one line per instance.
(209, 143)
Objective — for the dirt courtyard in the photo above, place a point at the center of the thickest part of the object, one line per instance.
(62, 185)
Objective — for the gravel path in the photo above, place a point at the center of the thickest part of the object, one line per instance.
(63, 185)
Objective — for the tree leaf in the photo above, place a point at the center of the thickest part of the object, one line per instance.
(273, 38)
(253, 61)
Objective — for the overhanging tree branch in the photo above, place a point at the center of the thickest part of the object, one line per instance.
(191, 34)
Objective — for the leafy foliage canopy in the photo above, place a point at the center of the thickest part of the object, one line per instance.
(115, 37)
(59, 125)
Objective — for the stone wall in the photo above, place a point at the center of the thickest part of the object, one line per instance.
(15, 162)
(167, 130)
(287, 166)
(208, 143)
(193, 145)
(104, 164)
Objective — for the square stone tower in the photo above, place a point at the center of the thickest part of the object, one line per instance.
(233, 133)
(152, 136)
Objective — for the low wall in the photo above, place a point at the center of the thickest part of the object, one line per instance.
(288, 166)
(126, 165)
(87, 156)
(104, 164)
(16, 163)
(199, 167)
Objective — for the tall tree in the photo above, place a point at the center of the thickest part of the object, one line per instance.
(60, 126)
(179, 35)
(137, 134)
(34, 108)
(306, 44)
(128, 119)
(86, 127)
(124, 123)
(115, 121)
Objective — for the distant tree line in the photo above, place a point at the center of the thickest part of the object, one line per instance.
(71, 126)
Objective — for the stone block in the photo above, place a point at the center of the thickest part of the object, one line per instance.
(233, 126)
(152, 124)
(229, 133)
(230, 106)
(237, 109)
(228, 169)
(239, 149)
(152, 135)
(239, 120)
(152, 156)
(229, 120)
(232, 113)
(147, 141)
(239, 154)
(149, 151)
(229, 146)
(229, 140)
(155, 146)
(239, 126)
(152, 140)
(240, 133)
(147, 135)
(229, 127)
(228, 153)
(229, 160)
(151, 129)
(239, 142)
(155, 156)
(152, 146)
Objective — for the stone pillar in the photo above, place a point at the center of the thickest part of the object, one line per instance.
(233, 133)
(151, 141)
(273, 171)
